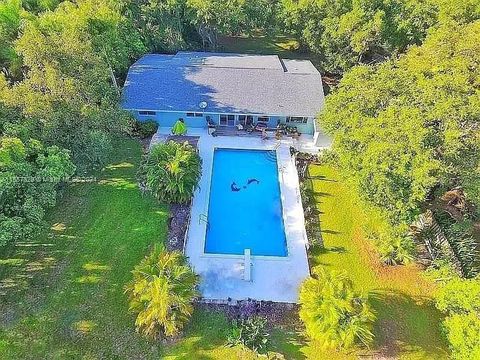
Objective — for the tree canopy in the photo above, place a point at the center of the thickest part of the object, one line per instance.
(410, 126)
(350, 32)
(29, 175)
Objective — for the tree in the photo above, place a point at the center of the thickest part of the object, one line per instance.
(333, 313)
(10, 18)
(348, 32)
(213, 17)
(67, 92)
(407, 127)
(172, 171)
(29, 177)
(161, 293)
(164, 26)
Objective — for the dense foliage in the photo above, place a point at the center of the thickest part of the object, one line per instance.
(334, 314)
(349, 32)
(408, 129)
(29, 176)
(144, 129)
(249, 332)
(460, 300)
(161, 293)
(172, 171)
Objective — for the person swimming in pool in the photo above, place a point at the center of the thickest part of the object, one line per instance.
(234, 187)
(250, 181)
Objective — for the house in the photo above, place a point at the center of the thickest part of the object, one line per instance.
(225, 90)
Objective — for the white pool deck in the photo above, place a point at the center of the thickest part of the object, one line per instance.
(271, 278)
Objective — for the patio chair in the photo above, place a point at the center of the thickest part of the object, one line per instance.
(260, 126)
(247, 124)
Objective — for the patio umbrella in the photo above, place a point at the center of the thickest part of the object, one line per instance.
(179, 128)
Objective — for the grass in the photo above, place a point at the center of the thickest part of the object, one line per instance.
(63, 291)
(285, 46)
(408, 324)
(61, 294)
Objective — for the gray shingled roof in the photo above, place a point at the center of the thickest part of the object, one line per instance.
(233, 83)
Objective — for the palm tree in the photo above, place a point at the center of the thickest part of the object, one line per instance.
(333, 313)
(172, 171)
(161, 293)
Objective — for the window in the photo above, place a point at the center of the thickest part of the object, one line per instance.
(198, 114)
(190, 114)
(241, 119)
(263, 119)
(297, 119)
(227, 120)
(150, 113)
(194, 114)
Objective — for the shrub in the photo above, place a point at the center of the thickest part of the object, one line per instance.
(395, 250)
(459, 296)
(161, 293)
(250, 332)
(29, 177)
(333, 313)
(460, 300)
(172, 172)
(145, 129)
(394, 246)
(462, 334)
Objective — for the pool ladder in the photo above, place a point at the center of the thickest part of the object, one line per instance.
(272, 154)
(203, 218)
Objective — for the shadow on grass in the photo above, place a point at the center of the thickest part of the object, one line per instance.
(322, 178)
(332, 232)
(207, 331)
(321, 194)
(406, 324)
(288, 343)
(316, 251)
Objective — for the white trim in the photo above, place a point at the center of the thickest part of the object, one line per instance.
(221, 113)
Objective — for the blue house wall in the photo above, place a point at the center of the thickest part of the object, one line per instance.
(168, 119)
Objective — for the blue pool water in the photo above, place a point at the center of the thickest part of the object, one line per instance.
(245, 209)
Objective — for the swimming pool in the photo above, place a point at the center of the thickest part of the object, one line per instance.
(245, 207)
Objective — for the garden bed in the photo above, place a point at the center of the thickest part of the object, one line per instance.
(178, 226)
(277, 314)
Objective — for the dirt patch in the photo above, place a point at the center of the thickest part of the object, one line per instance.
(177, 226)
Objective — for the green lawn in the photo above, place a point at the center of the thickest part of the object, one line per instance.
(285, 46)
(408, 324)
(64, 294)
(61, 294)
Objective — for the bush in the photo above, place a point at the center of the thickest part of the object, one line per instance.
(172, 172)
(145, 129)
(29, 177)
(462, 332)
(161, 293)
(394, 246)
(396, 250)
(333, 313)
(460, 300)
(459, 296)
(250, 332)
